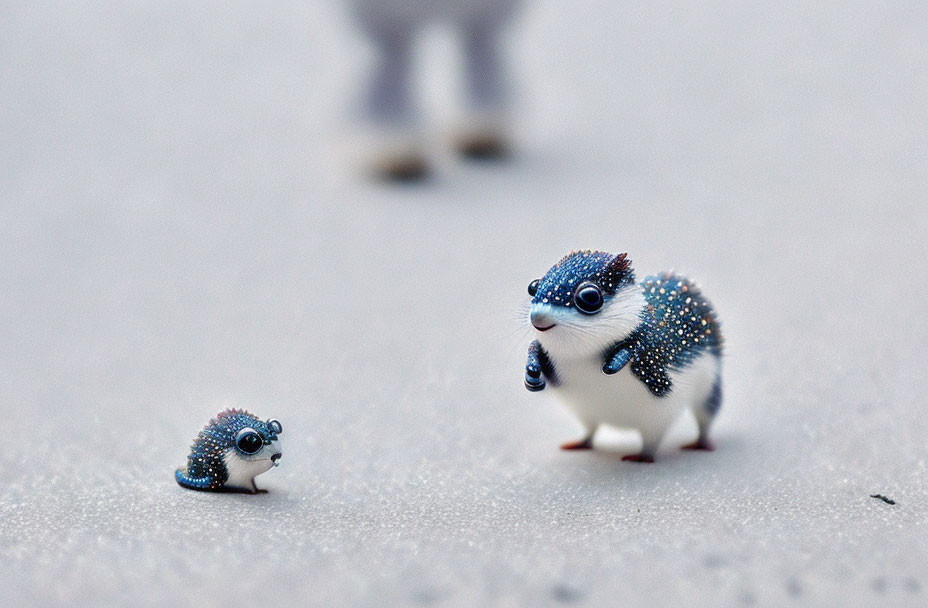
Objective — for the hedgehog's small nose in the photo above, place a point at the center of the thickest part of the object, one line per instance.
(275, 458)
(541, 321)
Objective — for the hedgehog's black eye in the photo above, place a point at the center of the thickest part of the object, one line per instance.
(248, 441)
(274, 425)
(588, 298)
(533, 287)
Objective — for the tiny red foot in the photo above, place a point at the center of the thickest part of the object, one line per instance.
(580, 444)
(638, 458)
(699, 444)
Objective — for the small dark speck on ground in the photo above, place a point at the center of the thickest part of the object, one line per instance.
(567, 594)
(911, 585)
(793, 588)
(879, 584)
(885, 499)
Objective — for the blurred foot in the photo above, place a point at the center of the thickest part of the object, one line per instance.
(393, 153)
(487, 145)
(638, 458)
(407, 167)
(580, 444)
(699, 444)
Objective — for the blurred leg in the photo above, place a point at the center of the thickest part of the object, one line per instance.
(389, 99)
(396, 149)
(484, 65)
(487, 93)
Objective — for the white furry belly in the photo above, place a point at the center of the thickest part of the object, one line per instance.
(242, 472)
(622, 400)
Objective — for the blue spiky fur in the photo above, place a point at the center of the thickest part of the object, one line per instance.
(609, 271)
(677, 326)
(205, 468)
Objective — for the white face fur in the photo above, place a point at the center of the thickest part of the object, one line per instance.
(243, 468)
(577, 334)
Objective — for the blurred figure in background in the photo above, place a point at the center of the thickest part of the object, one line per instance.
(398, 146)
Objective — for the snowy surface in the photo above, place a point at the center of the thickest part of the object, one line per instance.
(179, 234)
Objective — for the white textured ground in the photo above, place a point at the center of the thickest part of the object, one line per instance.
(177, 235)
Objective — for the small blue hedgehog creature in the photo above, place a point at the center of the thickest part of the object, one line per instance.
(230, 451)
(630, 355)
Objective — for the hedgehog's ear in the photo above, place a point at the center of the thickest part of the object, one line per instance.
(620, 262)
(619, 272)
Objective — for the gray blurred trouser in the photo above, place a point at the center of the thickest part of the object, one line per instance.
(392, 26)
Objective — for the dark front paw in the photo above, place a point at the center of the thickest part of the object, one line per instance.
(535, 386)
(533, 380)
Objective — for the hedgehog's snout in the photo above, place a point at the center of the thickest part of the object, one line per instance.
(541, 319)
